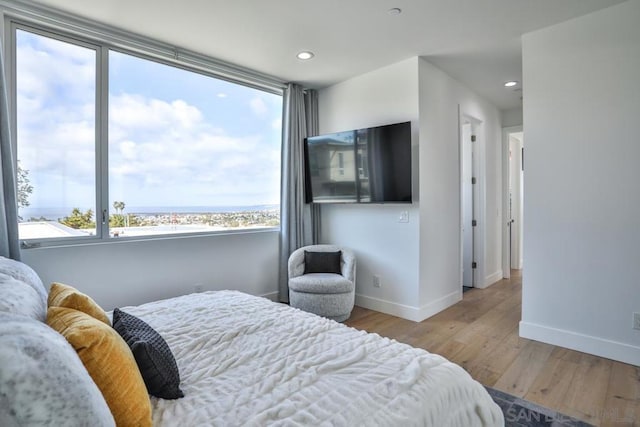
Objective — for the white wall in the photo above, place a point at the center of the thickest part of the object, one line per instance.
(441, 100)
(511, 117)
(419, 261)
(582, 200)
(128, 273)
(382, 245)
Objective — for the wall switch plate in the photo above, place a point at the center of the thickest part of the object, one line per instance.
(376, 281)
(404, 216)
(636, 321)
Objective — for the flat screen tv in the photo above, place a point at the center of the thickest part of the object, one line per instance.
(371, 165)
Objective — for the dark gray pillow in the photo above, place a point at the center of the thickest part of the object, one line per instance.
(153, 356)
(322, 262)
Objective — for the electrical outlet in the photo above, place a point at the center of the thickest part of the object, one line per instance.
(404, 216)
(376, 281)
(199, 287)
(636, 321)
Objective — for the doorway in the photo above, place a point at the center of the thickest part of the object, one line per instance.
(516, 151)
(513, 199)
(469, 200)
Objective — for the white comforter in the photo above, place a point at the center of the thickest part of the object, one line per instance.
(246, 361)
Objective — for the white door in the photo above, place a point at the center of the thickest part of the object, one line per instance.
(467, 205)
(515, 198)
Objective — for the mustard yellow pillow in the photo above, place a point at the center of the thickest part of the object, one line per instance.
(61, 295)
(110, 363)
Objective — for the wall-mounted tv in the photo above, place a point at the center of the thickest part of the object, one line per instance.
(371, 165)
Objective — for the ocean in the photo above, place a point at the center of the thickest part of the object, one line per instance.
(54, 213)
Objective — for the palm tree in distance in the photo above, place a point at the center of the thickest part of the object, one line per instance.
(119, 207)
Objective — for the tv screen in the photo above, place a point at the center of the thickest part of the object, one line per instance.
(371, 165)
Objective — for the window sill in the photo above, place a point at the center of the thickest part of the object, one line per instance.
(55, 243)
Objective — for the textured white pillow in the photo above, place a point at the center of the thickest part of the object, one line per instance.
(43, 381)
(23, 272)
(19, 298)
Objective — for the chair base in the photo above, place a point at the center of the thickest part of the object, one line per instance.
(340, 319)
(332, 306)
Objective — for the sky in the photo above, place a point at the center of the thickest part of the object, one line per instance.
(176, 138)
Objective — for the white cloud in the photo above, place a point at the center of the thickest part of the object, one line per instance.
(259, 107)
(128, 150)
(54, 65)
(135, 112)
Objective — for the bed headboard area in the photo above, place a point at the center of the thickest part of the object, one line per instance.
(42, 380)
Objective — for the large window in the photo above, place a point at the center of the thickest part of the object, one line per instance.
(112, 145)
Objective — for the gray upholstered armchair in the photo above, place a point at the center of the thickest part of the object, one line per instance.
(327, 294)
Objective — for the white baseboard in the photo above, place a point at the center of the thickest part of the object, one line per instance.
(585, 343)
(273, 296)
(490, 279)
(416, 314)
(393, 308)
(440, 304)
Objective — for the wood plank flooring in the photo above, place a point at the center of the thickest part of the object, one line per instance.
(480, 333)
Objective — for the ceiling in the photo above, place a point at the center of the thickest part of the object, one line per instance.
(475, 41)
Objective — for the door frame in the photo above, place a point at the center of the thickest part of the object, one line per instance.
(506, 172)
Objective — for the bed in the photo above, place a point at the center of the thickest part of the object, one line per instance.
(244, 360)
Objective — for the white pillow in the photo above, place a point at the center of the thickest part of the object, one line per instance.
(19, 298)
(43, 381)
(23, 272)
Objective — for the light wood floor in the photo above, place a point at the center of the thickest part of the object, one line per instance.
(480, 333)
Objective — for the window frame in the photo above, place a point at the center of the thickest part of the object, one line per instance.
(143, 48)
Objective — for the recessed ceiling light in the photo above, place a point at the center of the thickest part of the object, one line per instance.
(511, 83)
(395, 11)
(305, 54)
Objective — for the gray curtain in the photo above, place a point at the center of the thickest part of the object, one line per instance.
(298, 221)
(311, 115)
(9, 243)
